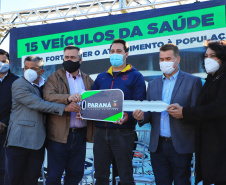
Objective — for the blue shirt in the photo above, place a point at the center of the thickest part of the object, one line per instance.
(1, 79)
(167, 90)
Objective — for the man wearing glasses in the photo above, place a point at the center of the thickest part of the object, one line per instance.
(6, 80)
(66, 144)
(27, 132)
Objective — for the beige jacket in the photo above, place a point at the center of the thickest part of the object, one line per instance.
(57, 90)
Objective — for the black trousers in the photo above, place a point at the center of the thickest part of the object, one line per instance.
(114, 167)
(2, 157)
(169, 166)
(23, 166)
(117, 143)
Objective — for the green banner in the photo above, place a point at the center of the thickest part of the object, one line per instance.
(173, 24)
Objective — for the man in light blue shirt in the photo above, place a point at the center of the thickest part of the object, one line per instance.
(171, 139)
(167, 90)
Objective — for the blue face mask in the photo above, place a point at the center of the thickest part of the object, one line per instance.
(116, 59)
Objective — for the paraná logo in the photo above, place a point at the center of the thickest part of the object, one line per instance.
(99, 105)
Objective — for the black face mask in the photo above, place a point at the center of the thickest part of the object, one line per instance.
(71, 66)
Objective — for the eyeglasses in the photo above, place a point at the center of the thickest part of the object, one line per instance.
(37, 69)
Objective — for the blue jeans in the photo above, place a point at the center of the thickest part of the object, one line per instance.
(169, 166)
(68, 157)
(117, 143)
(2, 157)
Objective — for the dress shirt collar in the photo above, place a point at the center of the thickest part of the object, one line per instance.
(1, 79)
(69, 75)
(172, 77)
(41, 82)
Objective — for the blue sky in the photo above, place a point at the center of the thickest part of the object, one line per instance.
(15, 5)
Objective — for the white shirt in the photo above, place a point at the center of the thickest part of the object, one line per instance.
(41, 82)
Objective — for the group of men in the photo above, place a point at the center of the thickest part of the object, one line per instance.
(26, 129)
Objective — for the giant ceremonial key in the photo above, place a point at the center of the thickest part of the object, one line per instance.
(108, 105)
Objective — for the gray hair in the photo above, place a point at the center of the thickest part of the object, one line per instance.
(36, 59)
(70, 47)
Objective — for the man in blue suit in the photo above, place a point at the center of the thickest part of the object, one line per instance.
(171, 140)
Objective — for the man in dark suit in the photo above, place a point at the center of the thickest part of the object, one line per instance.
(6, 80)
(26, 133)
(171, 140)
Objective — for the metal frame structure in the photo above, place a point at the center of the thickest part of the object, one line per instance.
(77, 10)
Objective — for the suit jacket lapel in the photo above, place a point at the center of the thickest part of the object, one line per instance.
(33, 87)
(177, 85)
(62, 73)
(160, 86)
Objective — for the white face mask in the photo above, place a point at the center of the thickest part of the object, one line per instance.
(30, 75)
(4, 67)
(167, 67)
(211, 65)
